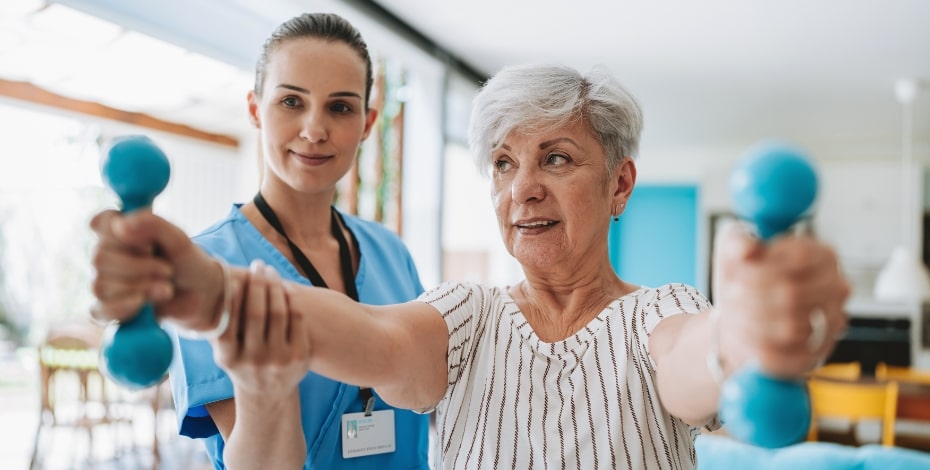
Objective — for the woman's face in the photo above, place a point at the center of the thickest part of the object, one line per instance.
(311, 113)
(553, 197)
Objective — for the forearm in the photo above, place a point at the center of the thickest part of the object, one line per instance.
(348, 342)
(400, 350)
(267, 433)
(686, 387)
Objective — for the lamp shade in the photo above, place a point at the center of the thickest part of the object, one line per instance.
(902, 278)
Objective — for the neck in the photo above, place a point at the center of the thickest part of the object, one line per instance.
(304, 217)
(557, 310)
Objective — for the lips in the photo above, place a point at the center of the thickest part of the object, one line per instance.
(534, 224)
(311, 157)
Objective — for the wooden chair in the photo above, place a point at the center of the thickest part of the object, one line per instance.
(854, 401)
(75, 395)
(838, 370)
(63, 357)
(901, 373)
(911, 431)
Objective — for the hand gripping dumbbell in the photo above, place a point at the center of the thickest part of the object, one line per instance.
(773, 186)
(136, 353)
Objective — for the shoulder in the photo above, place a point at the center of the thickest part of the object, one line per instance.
(684, 293)
(226, 236)
(368, 228)
(221, 227)
(451, 295)
(373, 235)
(671, 298)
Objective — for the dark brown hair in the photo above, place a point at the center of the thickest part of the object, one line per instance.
(326, 26)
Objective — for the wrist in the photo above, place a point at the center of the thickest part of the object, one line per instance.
(713, 360)
(262, 400)
(220, 311)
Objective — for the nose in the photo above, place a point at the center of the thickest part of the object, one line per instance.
(314, 127)
(526, 185)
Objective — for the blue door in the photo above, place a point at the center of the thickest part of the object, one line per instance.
(655, 241)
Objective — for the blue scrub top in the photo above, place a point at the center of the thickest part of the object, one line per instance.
(386, 275)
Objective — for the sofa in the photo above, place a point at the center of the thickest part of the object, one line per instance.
(725, 453)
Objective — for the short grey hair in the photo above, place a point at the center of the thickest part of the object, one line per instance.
(540, 98)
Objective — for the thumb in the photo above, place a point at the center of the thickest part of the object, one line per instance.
(735, 242)
(733, 246)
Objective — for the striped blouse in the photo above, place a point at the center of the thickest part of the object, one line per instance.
(587, 402)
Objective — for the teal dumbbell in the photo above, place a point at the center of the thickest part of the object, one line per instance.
(136, 353)
(773, 186)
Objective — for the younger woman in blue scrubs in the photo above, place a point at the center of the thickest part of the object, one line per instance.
(310, 105)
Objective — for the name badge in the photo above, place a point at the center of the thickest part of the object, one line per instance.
(367, 435)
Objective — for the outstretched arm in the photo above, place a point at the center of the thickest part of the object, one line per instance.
(400, 349)
(765, 296)
(263, 419)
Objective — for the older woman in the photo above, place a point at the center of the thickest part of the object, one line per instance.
(572, 367)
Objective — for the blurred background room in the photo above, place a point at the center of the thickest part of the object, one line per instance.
(846, 80)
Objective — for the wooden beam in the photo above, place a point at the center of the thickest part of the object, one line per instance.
(25, 91)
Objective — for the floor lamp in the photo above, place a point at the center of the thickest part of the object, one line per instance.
(904, 277)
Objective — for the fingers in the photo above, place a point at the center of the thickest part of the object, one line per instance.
(276, 330)
(127, 274)
(262, 328)
(122, 273)
(784, 299)
(255, 311)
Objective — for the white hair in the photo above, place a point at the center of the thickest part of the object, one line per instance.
(540, 98)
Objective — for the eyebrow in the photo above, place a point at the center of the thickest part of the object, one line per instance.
(349, 94)
(550, 143)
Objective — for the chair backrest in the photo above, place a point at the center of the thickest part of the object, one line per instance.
(901, 373)
(854, 401)
(839, 370)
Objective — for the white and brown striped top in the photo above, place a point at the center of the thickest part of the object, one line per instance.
(587, 402)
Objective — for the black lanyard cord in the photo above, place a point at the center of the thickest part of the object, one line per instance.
(345, 262)
(345, 257)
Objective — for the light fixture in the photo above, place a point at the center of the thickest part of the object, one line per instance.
(904, 277)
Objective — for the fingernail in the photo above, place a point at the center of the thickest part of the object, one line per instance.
(256, 266)
(271, 273)
(161, 292)
(165, 271)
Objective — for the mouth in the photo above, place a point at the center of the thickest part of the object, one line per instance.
(314, 158)
(535, 225)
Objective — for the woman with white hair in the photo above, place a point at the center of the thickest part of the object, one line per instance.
(573, 367)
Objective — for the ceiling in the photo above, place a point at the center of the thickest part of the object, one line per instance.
(710, 73)
(713, 70)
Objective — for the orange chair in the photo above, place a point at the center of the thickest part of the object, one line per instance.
(901, 374)
(854, 401)
(838, 371)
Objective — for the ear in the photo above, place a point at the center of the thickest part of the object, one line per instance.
(369, 122)
(623, 180)
(253, 110)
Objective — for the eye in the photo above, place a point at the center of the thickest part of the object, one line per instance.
(341, 108)
(556, 159)
(290, 102)
(502, 164)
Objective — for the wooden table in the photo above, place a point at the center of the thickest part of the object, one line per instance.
(914, 401)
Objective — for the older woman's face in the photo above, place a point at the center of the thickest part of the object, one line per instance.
(553, 197)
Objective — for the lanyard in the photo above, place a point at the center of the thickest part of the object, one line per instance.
(345, 258)
(345, 261)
